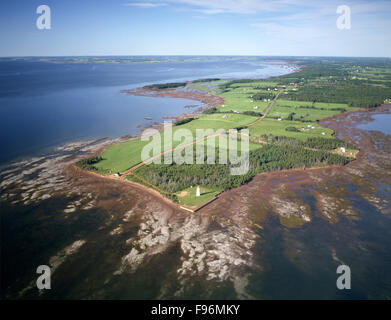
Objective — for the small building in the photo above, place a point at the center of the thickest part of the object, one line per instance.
(198, 191)
(343, 150)
(279, 119)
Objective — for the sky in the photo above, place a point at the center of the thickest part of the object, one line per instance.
(196, 27)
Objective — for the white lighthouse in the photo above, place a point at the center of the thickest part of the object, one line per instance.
(198, 191)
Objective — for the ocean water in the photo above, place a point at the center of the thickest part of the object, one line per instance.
(47, 103)
(381, 122)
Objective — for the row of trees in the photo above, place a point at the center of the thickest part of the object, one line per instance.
(183, 121)
(312, 142)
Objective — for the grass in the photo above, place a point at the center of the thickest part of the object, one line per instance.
(312, 115)
(241, 101)
(277, 128)
(303, 110)
(219, 121)
(122, 156)
(190, 199)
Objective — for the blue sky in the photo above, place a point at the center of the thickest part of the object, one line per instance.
(195, 27)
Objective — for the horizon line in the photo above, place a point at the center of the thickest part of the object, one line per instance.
(188, 55)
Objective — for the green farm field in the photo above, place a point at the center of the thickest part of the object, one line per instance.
(278, 128)
(122, 156)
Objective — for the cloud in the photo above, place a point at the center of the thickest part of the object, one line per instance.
(145, 4)
(210, 7)
(223, 6)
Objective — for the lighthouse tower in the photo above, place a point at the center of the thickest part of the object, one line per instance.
(198, 191)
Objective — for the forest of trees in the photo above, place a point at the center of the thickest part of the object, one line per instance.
(342, 92)
(174, 178)
(172, 85)
(88, 163)
(331, 80)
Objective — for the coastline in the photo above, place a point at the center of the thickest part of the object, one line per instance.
(268, 190)
(211, 101)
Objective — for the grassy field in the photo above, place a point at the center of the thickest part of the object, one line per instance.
(188, 197)
(278, 128)
(122, 156)
(218, 121)
(305, 110)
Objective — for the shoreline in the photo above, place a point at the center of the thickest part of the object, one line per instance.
(266, 190)
(97, 147)
(385, 108)
(209, 101)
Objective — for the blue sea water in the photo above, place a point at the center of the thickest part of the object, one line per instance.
(381, 122)
(46, 103)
